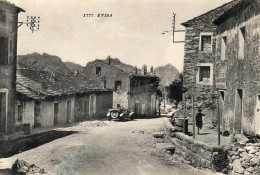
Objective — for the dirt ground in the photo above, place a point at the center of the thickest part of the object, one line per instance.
(104, 148)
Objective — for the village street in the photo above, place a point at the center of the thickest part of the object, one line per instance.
(113, 147)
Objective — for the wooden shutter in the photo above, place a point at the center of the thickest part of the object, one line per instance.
(3, 51)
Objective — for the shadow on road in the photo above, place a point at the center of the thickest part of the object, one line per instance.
(5, 172)
(10, 148)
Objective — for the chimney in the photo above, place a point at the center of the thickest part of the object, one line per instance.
(136, 72)
(76, 72)
(109, 60)
(151, 70)
(144, 68)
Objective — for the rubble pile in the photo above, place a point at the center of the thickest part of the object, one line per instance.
(21, 167)
(245, 159)
(90, 124)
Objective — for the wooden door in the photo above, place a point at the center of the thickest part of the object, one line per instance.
(37, 113)
(56, 113)
(3, 105)
(92, 106)
(68, 112)
(86, 109)
(238, 111)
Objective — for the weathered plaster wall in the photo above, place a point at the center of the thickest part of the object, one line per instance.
(240, 73)
(110, 74)
(141, 92)
(8, 29)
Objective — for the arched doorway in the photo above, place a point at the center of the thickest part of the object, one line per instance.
(92, 106)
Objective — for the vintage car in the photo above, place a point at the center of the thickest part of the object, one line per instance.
(120, 114)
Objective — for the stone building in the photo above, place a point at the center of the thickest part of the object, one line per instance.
(114, 75)
(199, 56)
(238, 68)
(142, 95)
(8, 53)
(44, 99)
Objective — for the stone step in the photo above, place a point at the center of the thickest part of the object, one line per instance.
(165, 146)
(158, 134)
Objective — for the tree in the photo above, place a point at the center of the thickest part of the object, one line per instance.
(175, 90)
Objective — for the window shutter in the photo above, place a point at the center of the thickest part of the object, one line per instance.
(3, 51)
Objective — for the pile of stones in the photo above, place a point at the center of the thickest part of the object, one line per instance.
(21, 167)
(245, 159)
(90, 124)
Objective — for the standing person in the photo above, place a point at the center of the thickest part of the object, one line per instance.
(199, 121)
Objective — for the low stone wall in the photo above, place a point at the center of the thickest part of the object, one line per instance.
(244, 159)
(200, 154)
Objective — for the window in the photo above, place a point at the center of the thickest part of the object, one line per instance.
(223, 48)
(118, 85)
(3, 51)
(205, 44)
(205, 73)
(2, 16)
(20, 113)
(98, 70)
(242, 37)
(105, 84)
(10, 52)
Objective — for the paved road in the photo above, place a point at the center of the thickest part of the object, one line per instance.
(119, 148)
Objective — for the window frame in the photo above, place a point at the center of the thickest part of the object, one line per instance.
(4, 16)
(10, 50)
(117, 86)
(241, 42)
(98, 72)
(200, 41)
(211, 65)
(223, 47)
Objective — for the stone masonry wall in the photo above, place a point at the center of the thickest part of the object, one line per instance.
(240, 73)
(193, 55)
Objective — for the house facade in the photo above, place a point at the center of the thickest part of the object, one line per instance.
(45, 100)
(142, 95)
(128, 84)
(238, 68)
(199, 57)
(8, 52)
(110, 77)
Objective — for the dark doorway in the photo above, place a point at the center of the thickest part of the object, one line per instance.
(56, 113)
(2, 111)
(68, 111)
(86, 109)
(137, 109)
(238, 111)
(37, 114)
(221, 107)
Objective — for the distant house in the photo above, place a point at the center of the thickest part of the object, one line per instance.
(199, 55)
(238, 68)
(8, 53)
(122, 79)
(44, 99)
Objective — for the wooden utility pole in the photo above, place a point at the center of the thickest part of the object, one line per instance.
(184, 109)
(218, 116)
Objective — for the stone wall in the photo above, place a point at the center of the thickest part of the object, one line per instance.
(109, 75)
(200, 154)
(194, 56)
(244, 159)
(240, 73)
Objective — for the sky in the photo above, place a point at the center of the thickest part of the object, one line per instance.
(133, 33)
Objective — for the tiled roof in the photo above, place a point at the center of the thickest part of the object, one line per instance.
(12, 5)
(217, 12)
(36, 84)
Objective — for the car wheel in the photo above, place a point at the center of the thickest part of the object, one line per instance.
(114, 115)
